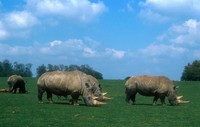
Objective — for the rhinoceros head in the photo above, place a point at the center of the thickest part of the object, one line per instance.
(97, 89)
(174, 99)
(90, 91)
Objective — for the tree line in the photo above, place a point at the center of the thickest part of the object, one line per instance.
(191, 71)
(7, 69)
(84, 68)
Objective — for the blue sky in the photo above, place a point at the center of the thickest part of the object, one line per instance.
(118, 39)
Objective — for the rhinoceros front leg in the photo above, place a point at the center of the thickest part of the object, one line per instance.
(74, 100)
(49, 97)
(155, 99)
(162, 99)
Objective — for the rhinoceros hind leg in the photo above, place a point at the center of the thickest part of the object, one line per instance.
(130, 97)
(40, 93)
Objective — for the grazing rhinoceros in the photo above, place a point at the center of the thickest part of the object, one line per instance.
(96, 85)
(73, 83)
(14, 82)
(157, 86)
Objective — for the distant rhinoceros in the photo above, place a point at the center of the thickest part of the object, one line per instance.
(14, 82)
(75, 83)
(157, 86)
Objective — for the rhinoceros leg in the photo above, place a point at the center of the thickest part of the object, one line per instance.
(74, 100)
(155, 99)
(40, 94)
(130, 96)
(22, 88)
(49, 97)
(14, 89)
(162, 99)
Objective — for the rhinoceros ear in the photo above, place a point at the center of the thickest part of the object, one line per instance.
(87, 85)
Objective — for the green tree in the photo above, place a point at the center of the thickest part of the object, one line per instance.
(90, 71)
(41, 70)
(28, 72)
(191, 71)
(7, 68)
(84, 68)
(22, 69)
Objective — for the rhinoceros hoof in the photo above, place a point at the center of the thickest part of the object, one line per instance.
(75, 104)
(133, 103)
(40, 102)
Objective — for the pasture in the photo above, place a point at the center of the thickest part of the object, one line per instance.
(23, 110)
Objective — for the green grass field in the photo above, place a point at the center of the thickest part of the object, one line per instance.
(22, 110)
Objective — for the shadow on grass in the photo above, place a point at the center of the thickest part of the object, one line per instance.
(144, 104)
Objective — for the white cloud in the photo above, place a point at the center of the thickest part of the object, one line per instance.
(20, 19)
(186, 34)
(88, 52)
(82, 10)
(115, 53)
(180, 39)
(170, 9)
(3, 32)
(55, 43)
(20, 23)
(8, 50)
(71, 48)
(153, 16)
(16, 24)
(129, 6)
(162, 50)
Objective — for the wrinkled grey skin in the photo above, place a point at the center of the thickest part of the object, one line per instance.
(95, 91)
(75, 83)
(15, 82)
(96, 87)
(157, 86)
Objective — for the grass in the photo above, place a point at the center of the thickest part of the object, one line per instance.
(23, 110)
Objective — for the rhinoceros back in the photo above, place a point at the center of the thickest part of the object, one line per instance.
(60, 83)
(149, 85)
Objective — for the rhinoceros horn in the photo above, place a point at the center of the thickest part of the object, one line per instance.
(181, 101)
(106, 98)
(95, 102)
(94, 98)
(179, 97)
(104, 93)
(4, 90)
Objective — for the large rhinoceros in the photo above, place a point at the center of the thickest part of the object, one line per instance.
(157, 86)
(75, 83)
(96, 85)
(14, 82)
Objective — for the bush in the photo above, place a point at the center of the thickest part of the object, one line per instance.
(191, 71)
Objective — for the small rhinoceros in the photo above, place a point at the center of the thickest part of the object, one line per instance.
(157, 86)
(14, 82)
(74, 83)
